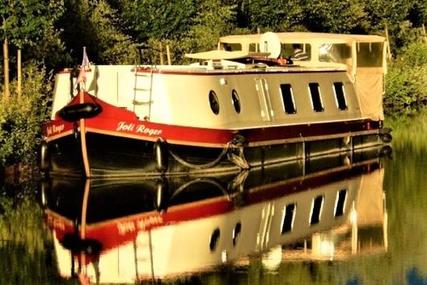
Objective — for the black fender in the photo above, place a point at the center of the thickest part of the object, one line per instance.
(76, 112)
(161, 155)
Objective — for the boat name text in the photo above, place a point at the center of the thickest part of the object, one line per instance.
(138, 225)
(55, 129)
(137, 128)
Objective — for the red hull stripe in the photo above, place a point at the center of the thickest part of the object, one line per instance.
(208, 137)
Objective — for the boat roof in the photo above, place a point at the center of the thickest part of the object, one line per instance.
(222, 54)
(293, 37)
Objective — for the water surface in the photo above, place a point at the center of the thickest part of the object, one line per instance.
(391, 244)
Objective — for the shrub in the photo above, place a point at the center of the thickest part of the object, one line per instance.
(406, 81)
(21, 118)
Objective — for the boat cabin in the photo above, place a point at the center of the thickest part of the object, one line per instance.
(364, 57)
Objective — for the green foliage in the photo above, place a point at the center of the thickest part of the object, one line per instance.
(21, 118)
(30, 25)
(159, 19)
(274, 15)
(25, 21)
(213, 20)
(113, 46)
(335, 16)
(96, 26)
(399, 16)
(406, 81)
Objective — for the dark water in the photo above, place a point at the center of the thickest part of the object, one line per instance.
(355, 219)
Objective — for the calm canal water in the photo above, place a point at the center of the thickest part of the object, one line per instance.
(356, 219)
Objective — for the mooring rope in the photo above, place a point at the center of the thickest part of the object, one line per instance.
(234, 151)
(200, 166)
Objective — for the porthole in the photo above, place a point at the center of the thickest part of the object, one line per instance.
(214, 239)
(213, 102)
(236, 101)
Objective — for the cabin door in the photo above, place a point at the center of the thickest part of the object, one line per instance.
(264, 100)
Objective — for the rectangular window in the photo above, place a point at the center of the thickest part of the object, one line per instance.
(231, 46)
(288, 98)
(316, 210)
(253, 47)
(369, 54)
(340, 95)
(292, 49)
(340, 202)
(316, 99)
(339, 53)
(288, 218)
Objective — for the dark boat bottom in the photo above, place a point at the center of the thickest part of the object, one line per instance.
(111, 156)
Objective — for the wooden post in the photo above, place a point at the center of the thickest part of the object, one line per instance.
(161, 53)
(168, 54)
(19, 69)
(6, 93)
(388, 43)
(424, 33)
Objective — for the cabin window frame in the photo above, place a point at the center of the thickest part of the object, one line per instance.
(344, 97)
(315, 220)
(214, 102)
(314, 102)
(292, 98)
(235, 100)
(284, 228)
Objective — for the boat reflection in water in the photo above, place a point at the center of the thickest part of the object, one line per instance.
(120, 231)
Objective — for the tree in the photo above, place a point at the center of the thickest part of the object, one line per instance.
(96, 25)
(24, 24)
(112, 45)
(159, 19)
(400, 17)
(26, 21)
(336, 16)
(274, 15)
(213, 20)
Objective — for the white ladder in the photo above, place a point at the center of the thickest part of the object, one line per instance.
(144, 254)
(143, 92)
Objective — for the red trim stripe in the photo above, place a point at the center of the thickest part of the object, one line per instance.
(145, 130)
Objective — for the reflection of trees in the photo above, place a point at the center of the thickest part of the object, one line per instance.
(408, 209)
(23, 239)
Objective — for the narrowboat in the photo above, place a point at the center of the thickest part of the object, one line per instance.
(128, 231)
(249, 103)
